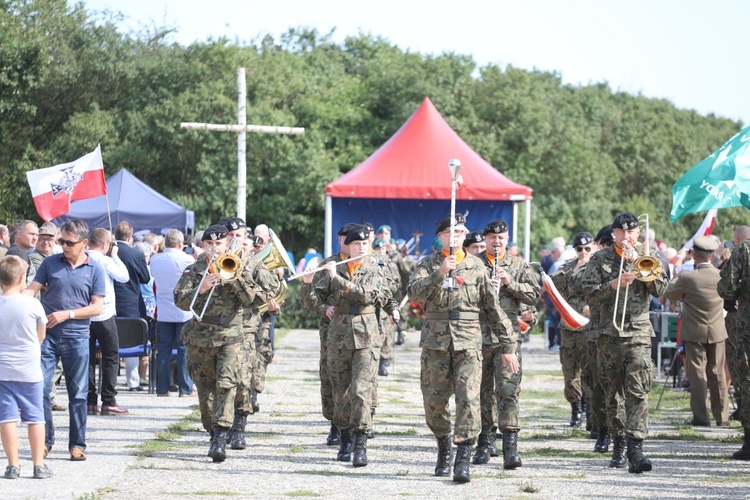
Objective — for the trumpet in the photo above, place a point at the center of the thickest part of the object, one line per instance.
(645, 268)
(227, 265)
(314, 270)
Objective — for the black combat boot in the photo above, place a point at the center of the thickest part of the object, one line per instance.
(589, 416)
(359, 455)
(334, 436)
(482, 453)
(735, 415)
(371, 430)
(212, 445)
(445, 453)
(602, 441)
(461, 465)
(744, 452)
(618, 452)
(594, 434)
(576, 413)
(383, 368)
(638, 463)
(345, 448)
(492, 439)
(238, 430)
(220, 444)
(511, 460)
(254, 402)
(400, 338)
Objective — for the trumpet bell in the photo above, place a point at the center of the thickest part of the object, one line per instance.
(227, 265)
(647, 268)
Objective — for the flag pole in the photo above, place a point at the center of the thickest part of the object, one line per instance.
(454, 165)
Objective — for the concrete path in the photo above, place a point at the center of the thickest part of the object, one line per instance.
(132, 456)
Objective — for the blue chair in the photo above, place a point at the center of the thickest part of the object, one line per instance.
(133, 336)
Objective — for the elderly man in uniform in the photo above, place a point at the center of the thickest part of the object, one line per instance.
(516, 289)
(571, 340)
(703, 334)
(455, 289)
(353, 291)
(625, 363)
(735, 285)
(214, 344)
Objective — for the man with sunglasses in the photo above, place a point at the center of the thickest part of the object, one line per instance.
(625, 351)
(75, 294)
(571, 339)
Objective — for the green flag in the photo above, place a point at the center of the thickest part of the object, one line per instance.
(720, 181)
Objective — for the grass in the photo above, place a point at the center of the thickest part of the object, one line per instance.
(548, 452)
(301, 493)
(206, 493)
(408, 432)
(721, 479)
(296, 449)
(570, 433)
(164, 441)
(96, 495)
(529, 487)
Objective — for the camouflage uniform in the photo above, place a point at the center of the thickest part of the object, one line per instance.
(735, 277)
(264, 352)
(214, 345)
(352, 334)
(625, 357)
(387, 327)
(498, 382)
(571, 341)
(451, 342)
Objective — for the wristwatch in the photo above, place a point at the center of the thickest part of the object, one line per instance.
(72, 314)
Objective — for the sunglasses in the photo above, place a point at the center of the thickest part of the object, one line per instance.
(68, 243)
(581, 249)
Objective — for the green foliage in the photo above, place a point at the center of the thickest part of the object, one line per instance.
(70, 78)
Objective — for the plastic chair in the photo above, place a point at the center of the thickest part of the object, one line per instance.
(133, 336)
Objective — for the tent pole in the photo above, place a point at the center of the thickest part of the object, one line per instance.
(514, 236)
(328, 251)
(527, 231)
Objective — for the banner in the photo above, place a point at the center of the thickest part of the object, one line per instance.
(720, 181)
(55, 187)
(706, 229)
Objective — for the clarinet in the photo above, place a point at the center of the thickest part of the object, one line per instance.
(494, 270)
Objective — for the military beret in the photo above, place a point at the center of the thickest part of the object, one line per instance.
(604, 236)
(236, 223)
(497, 226)
(369, 226)
(378, 243)
(583, 238)
(445, 223)
(215, 232)
(705, 244)
(384, 227)
(357, 233)
(625, 221)
(473, 237)
(345, 228)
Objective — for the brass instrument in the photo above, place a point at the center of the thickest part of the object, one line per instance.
(644, 267)
(274, 256)
(227, 265)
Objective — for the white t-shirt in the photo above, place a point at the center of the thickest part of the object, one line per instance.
(20, 353)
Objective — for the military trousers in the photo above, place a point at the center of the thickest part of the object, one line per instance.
(507, 391)
(741, 361)
(245, 384)
(326, 388)
(351, 372)
(388, 334)
(596, 396)
(706, 362)
(216, 373)
(263, 357)
(730, 321)
(443, 374)
(571, 359)
(625, 366)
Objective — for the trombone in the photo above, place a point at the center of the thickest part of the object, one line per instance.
(314, 270)
(226, 265)
(645, 268)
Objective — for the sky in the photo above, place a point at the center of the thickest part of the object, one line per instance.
(689, 52)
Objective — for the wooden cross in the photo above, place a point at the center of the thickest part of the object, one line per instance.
(241, 129)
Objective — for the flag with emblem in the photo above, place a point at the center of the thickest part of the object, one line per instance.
(720, 181)
(55, 187)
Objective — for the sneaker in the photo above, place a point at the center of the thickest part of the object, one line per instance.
(12, 472)
(77, 455)
(42, 472)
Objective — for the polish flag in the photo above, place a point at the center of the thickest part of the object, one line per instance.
(706, 229)
(55, 187)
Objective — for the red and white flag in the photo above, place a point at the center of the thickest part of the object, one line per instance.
(706, 229)
(571, 318)
(55, 187)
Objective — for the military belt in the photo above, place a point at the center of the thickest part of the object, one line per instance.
(223, 320)
(353, 310)
(451, 315)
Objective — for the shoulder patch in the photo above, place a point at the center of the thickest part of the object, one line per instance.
(186, 271)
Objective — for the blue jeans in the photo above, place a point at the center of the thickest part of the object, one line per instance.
(169, 336)
(74, 353)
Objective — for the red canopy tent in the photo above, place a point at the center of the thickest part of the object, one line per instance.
(405, 182)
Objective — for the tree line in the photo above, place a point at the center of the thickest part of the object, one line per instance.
(71, 78)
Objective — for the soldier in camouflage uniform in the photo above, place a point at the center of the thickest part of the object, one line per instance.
(735, 285)
(387, 325)
(353, 291)
(214, 344)
(572, 340)
(516, 286)
(625, 362)
(451, 343)
(325, 311)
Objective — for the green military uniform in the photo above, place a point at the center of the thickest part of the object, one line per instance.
(735, 285)
(387, 326)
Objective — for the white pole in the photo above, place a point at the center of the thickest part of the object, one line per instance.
(527, 236)
(514, 236)
(241, 144)
(327, 247)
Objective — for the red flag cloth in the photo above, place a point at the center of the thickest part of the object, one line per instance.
(572, 318)
(706, 228)
(55, 187)
(523, 325)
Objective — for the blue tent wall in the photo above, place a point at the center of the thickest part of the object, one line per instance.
(406, 216)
